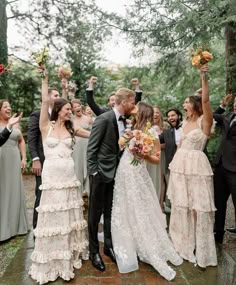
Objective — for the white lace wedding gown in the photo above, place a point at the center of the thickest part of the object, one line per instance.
(60, 240)
(138, 224)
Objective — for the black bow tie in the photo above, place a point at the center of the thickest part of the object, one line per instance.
(179, 126)
(122, 118)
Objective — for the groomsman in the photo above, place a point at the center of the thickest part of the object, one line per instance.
(103, 157)
(36, 148)
(225, 166)
(111, 98)
(4, 135)
(171, 137)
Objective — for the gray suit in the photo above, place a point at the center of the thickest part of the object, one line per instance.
(103, 157)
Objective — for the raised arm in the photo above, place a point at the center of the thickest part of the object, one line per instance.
(206, 108)
(90, 98)
(138, 91)
(64, 86)
(218, 114)
(44, 120)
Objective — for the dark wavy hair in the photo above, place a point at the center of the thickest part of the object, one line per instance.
(59, 103)
(196, 102)
(144, 115)
(177, 111)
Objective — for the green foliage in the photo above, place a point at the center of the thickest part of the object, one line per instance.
(23, 85)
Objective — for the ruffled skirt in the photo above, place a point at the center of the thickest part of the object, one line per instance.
(190, 191)
(60, 236)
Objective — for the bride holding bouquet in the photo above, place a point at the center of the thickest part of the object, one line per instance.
(138, 225)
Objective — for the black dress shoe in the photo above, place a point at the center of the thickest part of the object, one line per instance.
(110, 252)
(231, 230)
(97, 261)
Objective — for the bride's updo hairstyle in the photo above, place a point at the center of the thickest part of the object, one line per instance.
(196, 102)
(144, 115)
(59, 103)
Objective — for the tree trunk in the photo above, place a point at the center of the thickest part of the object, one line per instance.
(230, 56)
(3, 46)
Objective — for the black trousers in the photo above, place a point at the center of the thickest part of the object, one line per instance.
(224, 185)
(100, 202)
(38, 193)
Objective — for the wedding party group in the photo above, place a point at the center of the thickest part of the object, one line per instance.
(132, 165)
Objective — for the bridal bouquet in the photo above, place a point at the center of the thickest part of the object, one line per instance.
(41, 58)
(139, 143)
(201, 57)
(64, 72)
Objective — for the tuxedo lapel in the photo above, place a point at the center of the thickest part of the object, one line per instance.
(115, 126)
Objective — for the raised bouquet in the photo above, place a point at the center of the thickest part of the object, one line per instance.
(64, 72)
(200, 57)
(41, 58)
(140, 143)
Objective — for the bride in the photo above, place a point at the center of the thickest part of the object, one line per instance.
(138, 225)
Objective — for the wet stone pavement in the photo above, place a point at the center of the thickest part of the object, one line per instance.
(15, 262)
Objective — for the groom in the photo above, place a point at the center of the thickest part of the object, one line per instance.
(103, 158)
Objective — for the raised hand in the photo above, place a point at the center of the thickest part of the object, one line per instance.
(14, 120)
(226, 99)
(92, 81)
(135, 83)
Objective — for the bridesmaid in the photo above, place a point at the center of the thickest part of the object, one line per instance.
(13, 213)
(80, 148)
(157, 171)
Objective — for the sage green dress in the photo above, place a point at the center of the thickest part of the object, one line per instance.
(13, 214)
(80, 160)
(156, 171)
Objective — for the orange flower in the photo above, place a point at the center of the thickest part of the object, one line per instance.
(206, 55)
(148, 140)
(122, 141)
(196, 60)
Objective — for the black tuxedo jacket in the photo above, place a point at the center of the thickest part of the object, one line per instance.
(4, 135)
(226, 153)
(103, 149)
(34, 137)
(168, 138)
(99, 110)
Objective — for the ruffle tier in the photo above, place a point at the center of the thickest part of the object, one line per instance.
(191, 184)
(59, 185)
(60, 230)
(60, 207)
(191, 162)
